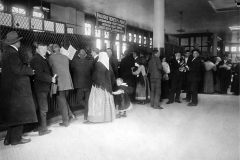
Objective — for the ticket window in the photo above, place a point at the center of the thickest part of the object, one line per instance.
(99, 44)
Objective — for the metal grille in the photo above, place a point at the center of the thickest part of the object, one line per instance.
(5, 19)
(40, 30)
(36, 24)
(20, 21)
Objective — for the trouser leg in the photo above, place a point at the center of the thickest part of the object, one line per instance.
(157, 92)
(178, 90)
(194, 87)
(42, 110)
(14, 134)
(63, 105)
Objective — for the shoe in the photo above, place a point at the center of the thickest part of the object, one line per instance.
(41, 133)
(6, 142)
(192, 104)
(185, 98)
(124, 115)
(169, 102)
(87, 122)
(178, 101)
(65, 124)
(22, 141)
(72, 117)
(155, 107)
(118, 115)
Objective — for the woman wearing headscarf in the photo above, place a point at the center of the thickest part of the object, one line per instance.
(208, 76)
(101, 103)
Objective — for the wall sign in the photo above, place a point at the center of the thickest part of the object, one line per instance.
(110, 23)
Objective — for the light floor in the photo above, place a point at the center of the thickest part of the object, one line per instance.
(209, 131)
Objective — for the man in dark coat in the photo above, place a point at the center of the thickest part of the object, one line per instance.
(224, 68)
(188, 59)
(94, 53)
(41, 85)
(235, 87)
(155, 69)
(177, 75)
(125, 69)
(17, 106)
(194, 76)
(81, 70)
(113, 62)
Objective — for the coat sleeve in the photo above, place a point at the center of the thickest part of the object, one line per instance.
(18, 67)
(39, 72)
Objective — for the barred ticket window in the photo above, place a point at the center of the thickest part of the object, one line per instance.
(97, 32)
(130, 37)
(17, 10)
(124, 37)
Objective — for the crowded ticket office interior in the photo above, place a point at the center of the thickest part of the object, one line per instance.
(212, 27)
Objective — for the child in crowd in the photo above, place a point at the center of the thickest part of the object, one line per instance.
(122, 98)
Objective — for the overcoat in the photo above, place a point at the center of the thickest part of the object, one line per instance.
(59, 65)
(17, 105)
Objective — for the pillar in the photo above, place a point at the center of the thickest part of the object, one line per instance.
(214, 47)
(158, 27)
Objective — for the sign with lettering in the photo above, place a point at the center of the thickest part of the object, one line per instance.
(111, 24)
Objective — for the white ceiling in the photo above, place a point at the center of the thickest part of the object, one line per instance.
(198, 15)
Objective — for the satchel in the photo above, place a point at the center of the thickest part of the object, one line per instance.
(53, 89)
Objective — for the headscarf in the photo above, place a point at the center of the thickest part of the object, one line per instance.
(104, 59)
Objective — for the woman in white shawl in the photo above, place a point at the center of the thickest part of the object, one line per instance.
(101, 103)
(208, 77)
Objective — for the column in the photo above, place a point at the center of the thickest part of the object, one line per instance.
(214, 47)
(158, 27)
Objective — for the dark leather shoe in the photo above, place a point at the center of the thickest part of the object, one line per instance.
(169, 102)
(6, 142)
(192, 104)
(178, 101)
(41, 133)
(65, 124)
(22, 141)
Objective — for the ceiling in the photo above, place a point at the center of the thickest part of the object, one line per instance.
(199, 16)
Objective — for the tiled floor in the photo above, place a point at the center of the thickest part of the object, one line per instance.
(209, 131)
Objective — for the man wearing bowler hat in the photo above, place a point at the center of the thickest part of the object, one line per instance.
(17, 106)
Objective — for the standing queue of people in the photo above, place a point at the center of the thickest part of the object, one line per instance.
(100, 88)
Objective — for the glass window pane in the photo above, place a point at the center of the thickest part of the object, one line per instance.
(130, 37)
(124, 37)
(124, 48)
(118, 49)
(97, 32)
(107, 42)
(140, 40)
(87, 29)
(38, 14)
(150, 42)
(98, 44)
(117, 37)
(1, 7)
(234, 49)
(226, 49)
(145, 40)
(106, 34)
(134, 38)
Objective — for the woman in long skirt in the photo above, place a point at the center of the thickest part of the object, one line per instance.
(101, 103)
(208, 77)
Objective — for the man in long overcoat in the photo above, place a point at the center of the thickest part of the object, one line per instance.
(59, 65)
(82, 70)
(17, 106)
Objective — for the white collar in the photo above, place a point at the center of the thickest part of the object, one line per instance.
(14, 47)
(136, 57)
(42, 56)
(95, 56)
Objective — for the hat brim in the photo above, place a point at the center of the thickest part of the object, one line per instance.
(6, 41)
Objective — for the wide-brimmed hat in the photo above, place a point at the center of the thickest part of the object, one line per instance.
(12, 37)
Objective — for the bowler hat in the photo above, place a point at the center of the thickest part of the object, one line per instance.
(12, 37)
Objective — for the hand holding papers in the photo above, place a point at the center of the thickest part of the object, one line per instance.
(69, 53)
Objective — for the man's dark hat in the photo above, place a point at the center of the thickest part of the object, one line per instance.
(12, 37)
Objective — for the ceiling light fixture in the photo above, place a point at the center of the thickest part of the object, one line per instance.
(233, 28)
(180, 30)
